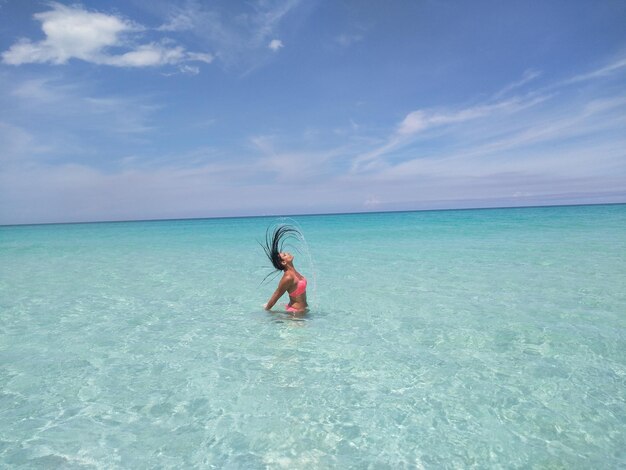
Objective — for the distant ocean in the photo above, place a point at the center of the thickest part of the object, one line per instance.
(444, 339)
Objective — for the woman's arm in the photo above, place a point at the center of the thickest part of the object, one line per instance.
(282, 288)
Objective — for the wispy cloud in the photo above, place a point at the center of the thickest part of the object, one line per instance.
(64, 110)
(18, 144)
(76, 191)
(346, 40)
(241, 37)
(76, 33)
(492, 119)
(602, 72)
(529, 75)
(284, 164)
(421, 120)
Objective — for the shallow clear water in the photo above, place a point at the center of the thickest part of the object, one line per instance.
(487, 338)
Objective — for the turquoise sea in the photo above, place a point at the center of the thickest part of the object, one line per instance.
(445, 339)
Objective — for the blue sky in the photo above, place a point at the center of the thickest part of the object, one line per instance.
(164, 109)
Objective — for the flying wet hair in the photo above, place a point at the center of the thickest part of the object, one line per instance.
(274, 239)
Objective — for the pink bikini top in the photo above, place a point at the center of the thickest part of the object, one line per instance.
(300, 288)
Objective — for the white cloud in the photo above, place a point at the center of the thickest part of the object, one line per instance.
(275, 44)
(75, 33)
(70, 33)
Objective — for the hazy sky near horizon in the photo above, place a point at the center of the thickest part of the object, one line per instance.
(141, 109)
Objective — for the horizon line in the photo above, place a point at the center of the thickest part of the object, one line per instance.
(320, 214)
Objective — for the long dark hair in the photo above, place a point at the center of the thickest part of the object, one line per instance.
(274, 239)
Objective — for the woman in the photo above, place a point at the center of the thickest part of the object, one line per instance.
(292, 281)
